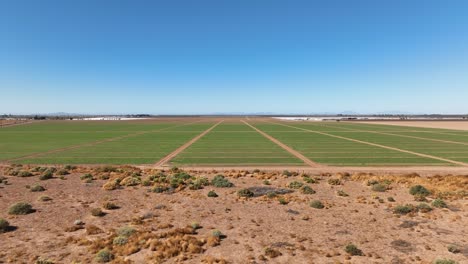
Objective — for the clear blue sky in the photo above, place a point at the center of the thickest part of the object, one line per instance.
(211, 56)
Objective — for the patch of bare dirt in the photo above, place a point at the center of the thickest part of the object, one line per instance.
(457, 125)
(132, 215)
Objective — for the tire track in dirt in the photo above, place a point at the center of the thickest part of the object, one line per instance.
(183, 147)
(378, 145)
(38, 154)
(285, 147)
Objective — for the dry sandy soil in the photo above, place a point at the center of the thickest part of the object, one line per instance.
(457, 125)
(259, 229)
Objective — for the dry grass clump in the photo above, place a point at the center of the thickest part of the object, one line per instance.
(37, 188)
(4, 224)
(110, 206)
(221, 181)
(20, 208)
(97, 212)
(334, 181)
(245, 193)
(316, 204)
(353, 250)
(295, 185)
(307, 190)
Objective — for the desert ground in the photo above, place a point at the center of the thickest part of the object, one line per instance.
(456, 125)
(127, 214)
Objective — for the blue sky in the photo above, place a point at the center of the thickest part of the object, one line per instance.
(215, 56)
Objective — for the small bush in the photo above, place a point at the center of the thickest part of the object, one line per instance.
(130, 181)
(217, 233)
(195, 225)
(107, 169)
(37, 188)
(341, 193)
(424, 207)
(439, 203)
(334, 181)
(445, 261)
(4, 224)
(104, 255)
(25, 174)
(160, 189)
(63, 172)
(220, 181)
(46, 176)
(309, 180)
(453, 249)
(120, 240)
(307, 190)
(316, 204)
(419, 190)
(212, 194)
(266, 182)
(86, 177)
(282, 201)
(353, 250)
(295, 185)
(271, 194)
(70, 167)
(126, 231)
(287, 173)
(97, 212)
(44, 198)
(110, 206)
(404, 209)
(245, 193)
(20, 208)
(379, 187)
(198, 183)
(390, 199)
(44, 261)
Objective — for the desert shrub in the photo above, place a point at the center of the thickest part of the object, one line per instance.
(353, 250)
(453, 248)
(46, 176)
(212, 194)
(424, 207)
(70, 167)
(195, 225)
(63, 172)
(220, 181)
(44, 261)
(2, 179)
(287, 173)
(120, 240)
(419, 190)
(295, 185)
(198, 183)
(37, 188)
(404, 209)
(245, 193)
(25, 174)
(282, 201)
(97, 212)
(20, 208)
(86, 177)
(266, 182)
(341, 193)
(309, 179)
(106, 169)
(159, 189)
(272, 253)
(44, 198)
(4, 224)
(104, 255)
(372, 182)
(126, 231)
(130, 181)
(110, 206)
(271, 194)
(391, 199)
(217, 233)
(439, 203)
(316, 204)
(445, 261)
(307, 190)
(334, 181)
(379, 187)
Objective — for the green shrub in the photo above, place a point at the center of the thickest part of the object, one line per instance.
(453, 248)
(212, 194)
(63, 172)
(86, 177)
(282, 201)
(334, 181)
(316, 204)
(46, 176)
(341, 193)
(20, 208)
(106, 169)
(404, 209)
(110, 206)
(287, 173)
(390, 199)
(120, 240)
(295, 185)
(37, 188)
(419, 190)
(4, 224)
(445, 261)
(25, 174)
(307, 190)
(70, 167)
(379, 187)
(195, 225)
(271, 194)
(198, 183)
(439, 203)
(424, 207)
(220, 181)
(266, 182)
(159, 189)
(126, 231)
(309, 179)
(97, 212)
(44, 261)
(353, 250)
(245, 193)
(104, 255)
(44, 198)
(217, 233)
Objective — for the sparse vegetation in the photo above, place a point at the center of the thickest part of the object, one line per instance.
(245, 193)
(308, 179)
(87, 177)
(217, 233)
(46, 176)
(4, 224)
(104, 255)
(295, 185)
(126, 231)
(341, 193)
(316, 204)
(37, 188)
(221, 181)
(110, 206)
(212, 194)
(419, 190)
(404, 209)
(445, 261)
(391, 199)
(25, 174)
(97, 212)
(424, 207)
(379, 187)
(20, 208)
(453, 248)
(353, 250)
(44, 198)
(62, 172)
(439, 203)
(120, 240)
(334, 181)
(283, 201)
(307, 190)
(287, 173)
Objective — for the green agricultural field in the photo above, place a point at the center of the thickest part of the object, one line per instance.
(235, 144)
(232, 142)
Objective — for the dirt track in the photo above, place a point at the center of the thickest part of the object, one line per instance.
(457, 125)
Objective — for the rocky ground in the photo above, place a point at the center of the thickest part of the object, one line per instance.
(133, 215)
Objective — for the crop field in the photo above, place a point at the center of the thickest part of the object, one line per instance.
(232, 142)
